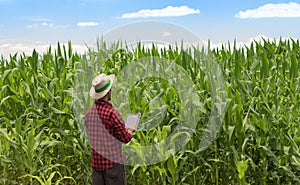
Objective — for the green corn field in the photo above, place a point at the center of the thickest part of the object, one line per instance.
(44, 97)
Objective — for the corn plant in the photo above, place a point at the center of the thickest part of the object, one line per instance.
(44, 98)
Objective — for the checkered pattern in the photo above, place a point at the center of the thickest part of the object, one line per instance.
(107, 133)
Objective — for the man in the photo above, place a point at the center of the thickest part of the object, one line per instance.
(107, 133)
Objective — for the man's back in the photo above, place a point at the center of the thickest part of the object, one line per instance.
(107, 132)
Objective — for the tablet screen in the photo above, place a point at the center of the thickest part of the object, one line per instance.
(132, 120)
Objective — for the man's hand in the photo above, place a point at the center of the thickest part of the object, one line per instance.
(130, 130)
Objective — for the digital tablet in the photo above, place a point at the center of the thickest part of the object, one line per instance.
(132, 120)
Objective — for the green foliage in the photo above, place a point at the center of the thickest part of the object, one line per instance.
(44, 98)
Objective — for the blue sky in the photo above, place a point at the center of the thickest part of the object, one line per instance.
(28, 24)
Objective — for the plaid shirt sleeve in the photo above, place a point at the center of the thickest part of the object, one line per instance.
(119, 130)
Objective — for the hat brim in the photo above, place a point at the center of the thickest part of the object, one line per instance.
(100, 95)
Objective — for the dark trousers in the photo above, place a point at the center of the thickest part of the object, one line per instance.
(113, 176)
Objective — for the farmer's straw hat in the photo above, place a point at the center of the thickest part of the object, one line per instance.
(101, 85)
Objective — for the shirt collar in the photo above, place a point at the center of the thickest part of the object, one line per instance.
(103, 102)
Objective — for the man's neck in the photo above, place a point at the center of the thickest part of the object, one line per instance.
(105, 98)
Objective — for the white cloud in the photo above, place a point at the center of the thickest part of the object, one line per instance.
(44, 25)
(32, 26)
(38, 19)
(10, 48)
(283, 10)
(87, 24)
(169, 11)
(248, 42)
(239, 44)
(166, 34)
(50, 25)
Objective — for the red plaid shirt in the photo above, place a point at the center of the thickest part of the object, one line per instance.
(107, 133)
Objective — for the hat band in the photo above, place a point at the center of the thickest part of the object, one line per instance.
(104, 87)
